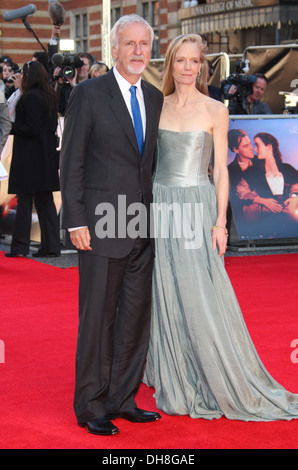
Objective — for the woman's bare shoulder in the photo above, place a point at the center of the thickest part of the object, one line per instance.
(218, 105)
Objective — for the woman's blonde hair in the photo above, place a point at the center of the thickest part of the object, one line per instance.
(168, 86)
(98, 67)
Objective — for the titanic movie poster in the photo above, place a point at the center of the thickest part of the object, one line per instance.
(263, 172)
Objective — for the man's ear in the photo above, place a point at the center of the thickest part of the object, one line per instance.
(114, 52)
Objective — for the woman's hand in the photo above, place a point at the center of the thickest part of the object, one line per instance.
(219, 239)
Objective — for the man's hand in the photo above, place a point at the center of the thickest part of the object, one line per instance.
(232, 90)
(271, 205)
(55, 32)
(80, 238)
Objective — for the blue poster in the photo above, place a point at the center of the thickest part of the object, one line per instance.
(263, 173)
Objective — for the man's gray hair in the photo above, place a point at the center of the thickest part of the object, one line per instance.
(126, 21)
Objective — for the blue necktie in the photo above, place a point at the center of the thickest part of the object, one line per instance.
(137, 118)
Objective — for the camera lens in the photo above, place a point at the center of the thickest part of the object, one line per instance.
(68, 72)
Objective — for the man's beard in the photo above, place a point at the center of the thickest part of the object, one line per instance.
(82, 76)
(133, 69)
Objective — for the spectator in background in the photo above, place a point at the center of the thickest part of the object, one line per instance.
(34, 166)
(43, 58)
(53, 45)
(5, 126)
(252, 104)
(98, 69)
(83, 72)
(5, 123)
(64, 86)
(3, 59)
(9, 69)
(214, 91)
(15, 96)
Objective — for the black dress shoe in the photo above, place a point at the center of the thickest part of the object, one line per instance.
(136, 415)
(15, 255)
(101, 426)
(40, 254)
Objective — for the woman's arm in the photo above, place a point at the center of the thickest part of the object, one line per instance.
(221, 177)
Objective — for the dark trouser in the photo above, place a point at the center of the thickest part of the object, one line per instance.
(114, 327)
(48, 221)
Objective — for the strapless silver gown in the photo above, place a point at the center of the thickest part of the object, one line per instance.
(201, 359)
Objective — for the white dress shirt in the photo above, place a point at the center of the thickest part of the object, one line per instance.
(124, 86)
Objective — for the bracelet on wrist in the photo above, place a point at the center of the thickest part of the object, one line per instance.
(216, 227)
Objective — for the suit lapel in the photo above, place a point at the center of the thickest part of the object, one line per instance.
(149, 114)
(119, 108)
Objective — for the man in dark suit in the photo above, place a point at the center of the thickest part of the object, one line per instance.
(104, 173)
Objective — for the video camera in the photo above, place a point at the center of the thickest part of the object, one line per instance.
(242, 82)
(68, 63)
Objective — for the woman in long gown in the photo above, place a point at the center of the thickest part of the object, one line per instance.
(201, 359)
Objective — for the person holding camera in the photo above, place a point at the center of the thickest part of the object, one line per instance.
(10, 68)
(69, 71)
(252, 103)
(83, 72)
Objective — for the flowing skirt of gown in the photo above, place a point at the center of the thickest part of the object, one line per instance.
(201, 359)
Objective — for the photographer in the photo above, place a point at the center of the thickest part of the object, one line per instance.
(10, 68)
(3, 59)
(251, 103)
(83, 72)
(70, 69)
(45, 58)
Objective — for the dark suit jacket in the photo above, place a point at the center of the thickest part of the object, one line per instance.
(100, 160)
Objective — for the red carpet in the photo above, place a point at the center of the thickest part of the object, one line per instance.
(38, 327)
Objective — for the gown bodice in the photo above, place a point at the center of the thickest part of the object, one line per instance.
(183, 157)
